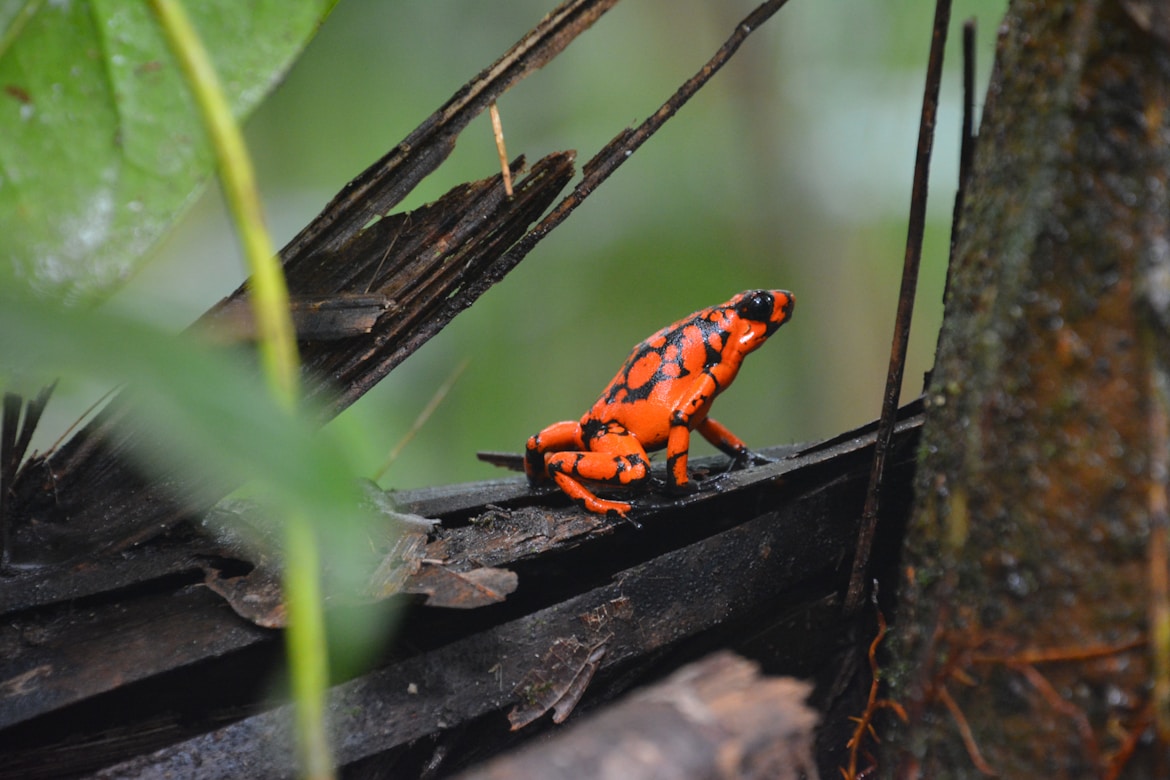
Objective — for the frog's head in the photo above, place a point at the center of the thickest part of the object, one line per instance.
(766, 310)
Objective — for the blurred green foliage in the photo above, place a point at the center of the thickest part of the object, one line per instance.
(281, 455)
(99, 141)
(791, 169)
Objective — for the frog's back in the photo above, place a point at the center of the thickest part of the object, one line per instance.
(646, 390)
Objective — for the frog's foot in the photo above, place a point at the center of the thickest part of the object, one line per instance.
(747, 458)
(756, 459)
(576, 491)
(684, 489)
(715, 478)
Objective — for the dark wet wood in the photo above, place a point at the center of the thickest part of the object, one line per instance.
(718, 717)
(760, 548)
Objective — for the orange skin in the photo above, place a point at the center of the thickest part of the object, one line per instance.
(663, 391)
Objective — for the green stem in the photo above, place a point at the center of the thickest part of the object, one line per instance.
(306, 646)
(305, 637)
(269, 293)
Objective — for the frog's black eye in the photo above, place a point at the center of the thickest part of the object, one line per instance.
(756, 306)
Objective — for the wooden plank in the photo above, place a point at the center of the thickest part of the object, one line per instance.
(57, 659)
(737, 578)
(150, 619)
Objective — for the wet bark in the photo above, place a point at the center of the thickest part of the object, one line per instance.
(1035, 559)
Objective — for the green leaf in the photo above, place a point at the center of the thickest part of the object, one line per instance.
(209, 415)
(101, 146)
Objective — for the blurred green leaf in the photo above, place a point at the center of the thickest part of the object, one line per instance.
(100, 143)
(209, 416)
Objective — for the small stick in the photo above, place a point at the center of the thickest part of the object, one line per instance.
(915, 230)
(965, 733)
(421, 420)
(1059, 704)
(1158, 549)
(498, 131)
(1058, 654)
(872, 705)
(966, 138)
(15, 437)
(8, 426)
(625, 143)
(967, 148)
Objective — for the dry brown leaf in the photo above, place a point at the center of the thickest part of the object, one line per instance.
(558, 682)
(445, 587)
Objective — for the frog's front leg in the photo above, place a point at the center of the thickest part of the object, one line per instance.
(678, 444)
(614, 457)
(678, 448)
(731, 445)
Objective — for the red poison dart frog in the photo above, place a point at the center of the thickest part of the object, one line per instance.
(662, 392)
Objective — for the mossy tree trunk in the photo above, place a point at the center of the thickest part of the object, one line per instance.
(1034, 571)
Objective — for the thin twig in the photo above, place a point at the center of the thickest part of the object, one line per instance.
(8, 426)
(966, 138)
(379, 188)
(967, 147)
(856, 592)
(622, 147)
(422, 418)
(89, 410)
(501, 149)
(32, 418)
(872, 704)
(1121, 756)
(1052, 697)
(965, 733)
(15, 437)
(1158, 549)
(1058, 654)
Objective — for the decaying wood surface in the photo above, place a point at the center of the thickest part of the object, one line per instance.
(718, 717)
(753, 562)
(88, 497)
(1032, 643)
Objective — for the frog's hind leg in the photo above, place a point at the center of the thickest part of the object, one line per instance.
(558, 437)
(613, 457)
